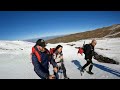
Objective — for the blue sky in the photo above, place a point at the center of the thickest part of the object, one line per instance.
(20, 25)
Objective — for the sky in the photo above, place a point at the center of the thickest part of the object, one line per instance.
(22, 25)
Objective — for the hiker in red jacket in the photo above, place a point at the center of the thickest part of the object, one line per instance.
(41, 58)
(58, 57)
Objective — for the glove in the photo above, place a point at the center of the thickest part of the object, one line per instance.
(88, 60)
(61, 60)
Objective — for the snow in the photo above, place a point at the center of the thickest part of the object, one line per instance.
(115, 27)
(111, 35)
(15, 62)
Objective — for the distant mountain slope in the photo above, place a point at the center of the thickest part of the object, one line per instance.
(110, 32)
(45, 38)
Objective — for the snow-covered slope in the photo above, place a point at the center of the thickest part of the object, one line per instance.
(15, 62)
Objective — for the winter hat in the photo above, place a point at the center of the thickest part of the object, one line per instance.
(41, 42)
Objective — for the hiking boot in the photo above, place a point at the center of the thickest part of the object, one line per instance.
(66, 78)
(81, 70)
(90, 72)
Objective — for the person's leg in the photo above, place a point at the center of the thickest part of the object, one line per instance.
(91, 66)
(64, 70)
(87, 63)
(56, 75)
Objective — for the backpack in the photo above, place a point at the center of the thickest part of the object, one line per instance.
(85, 48)
(52, 50)
(82, 50)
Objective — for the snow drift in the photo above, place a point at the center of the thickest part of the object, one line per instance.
(15, 62)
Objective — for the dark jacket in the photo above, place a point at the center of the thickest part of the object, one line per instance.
(42, 69)
(89, 51)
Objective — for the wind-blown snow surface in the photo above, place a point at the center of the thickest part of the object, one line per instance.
(15, 62)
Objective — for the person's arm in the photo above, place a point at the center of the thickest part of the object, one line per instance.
(54, 64)
(39, 71)
(52, 61)
(93, 52)
(61, 57)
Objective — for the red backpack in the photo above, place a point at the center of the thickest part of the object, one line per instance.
(81, 51)
(52, 50)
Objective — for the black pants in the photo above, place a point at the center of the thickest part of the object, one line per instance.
(64, 71)
(88, 63)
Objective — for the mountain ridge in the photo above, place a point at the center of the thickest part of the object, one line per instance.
(112, 31)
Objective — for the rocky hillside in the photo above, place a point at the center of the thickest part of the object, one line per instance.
(105, 32)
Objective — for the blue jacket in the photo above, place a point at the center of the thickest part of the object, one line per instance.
(42, 69)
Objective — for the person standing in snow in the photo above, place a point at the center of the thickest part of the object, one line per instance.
(41, 58)
(58, 57)
(89, 53)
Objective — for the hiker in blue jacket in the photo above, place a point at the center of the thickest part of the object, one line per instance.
(41, 58)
